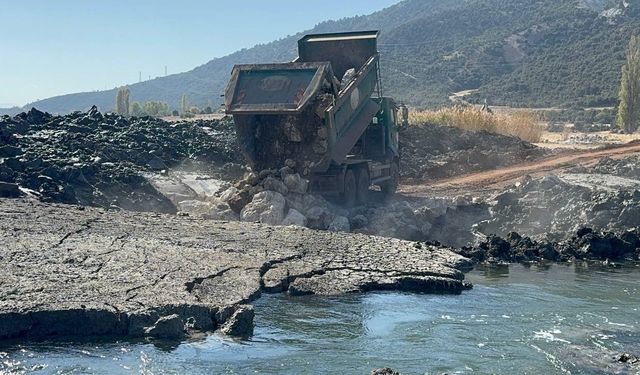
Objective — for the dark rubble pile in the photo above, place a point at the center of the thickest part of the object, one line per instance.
(98, 159)
(436, 151)
(585, 245)
(547, 206)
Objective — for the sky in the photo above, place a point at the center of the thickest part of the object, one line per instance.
(54, 47)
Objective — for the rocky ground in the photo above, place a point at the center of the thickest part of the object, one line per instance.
(99, 159)
(105, 159)
(195, 168)
(585, 244)
(431, 152)
(81, 271)
(99, 272)
(549, 207)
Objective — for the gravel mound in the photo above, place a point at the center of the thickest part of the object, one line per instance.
(436, 151)
(98, 159)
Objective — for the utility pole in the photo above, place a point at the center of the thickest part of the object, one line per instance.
(139, 76)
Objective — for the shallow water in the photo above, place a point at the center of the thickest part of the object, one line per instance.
(516, 320)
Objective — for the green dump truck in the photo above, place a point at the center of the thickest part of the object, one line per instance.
(324, 111)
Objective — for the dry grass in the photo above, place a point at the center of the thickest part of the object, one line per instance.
(522, 124)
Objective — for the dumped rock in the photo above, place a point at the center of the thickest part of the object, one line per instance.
(359, 221)
(212, 209)
(319, 218)
(384, 371)
(301, 137)
(280, 197)
(396, 220)
(339, 224)
(271, 183)
(266, 207)
(295, 183)
(435, 151)
(239, 200)
(96, 159)
(294, 217)
(586, 244)
(195, 208)
(628, 167)
(629, 359)
(551, 206)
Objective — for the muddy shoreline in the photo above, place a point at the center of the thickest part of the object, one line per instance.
(87, 272)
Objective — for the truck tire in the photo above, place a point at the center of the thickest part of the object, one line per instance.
(363, 183)
(389, 187)
(350, 189)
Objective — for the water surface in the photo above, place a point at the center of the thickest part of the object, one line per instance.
(517, 320)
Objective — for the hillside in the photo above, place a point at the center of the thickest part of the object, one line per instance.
(515, 52)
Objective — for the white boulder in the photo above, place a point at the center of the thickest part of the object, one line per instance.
(266, 207)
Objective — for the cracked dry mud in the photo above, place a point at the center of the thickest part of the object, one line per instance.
(72, 271)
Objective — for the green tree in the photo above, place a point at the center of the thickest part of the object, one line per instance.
(156, 108)
(122, 101)
(136, 109)
(184, 104)
(629, 107)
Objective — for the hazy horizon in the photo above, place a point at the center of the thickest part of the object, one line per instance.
(73, 46)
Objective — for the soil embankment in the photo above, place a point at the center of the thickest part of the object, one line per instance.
(70, 270)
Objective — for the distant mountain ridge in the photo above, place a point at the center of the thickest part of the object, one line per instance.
(513, 52)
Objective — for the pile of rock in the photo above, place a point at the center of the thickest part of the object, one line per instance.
(435, 151)
(282, 197)
(98, 159)
(553, 205)
(277, 197)
(587, 139)
(586, 244)
(632, 360)
(628, 167)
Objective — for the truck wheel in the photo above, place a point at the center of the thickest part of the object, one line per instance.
(364, 182)
(389, 187)
(350, 189)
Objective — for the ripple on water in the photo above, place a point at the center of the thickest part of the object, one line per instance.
(533, 320)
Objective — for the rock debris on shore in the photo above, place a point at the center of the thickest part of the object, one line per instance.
(586, 244)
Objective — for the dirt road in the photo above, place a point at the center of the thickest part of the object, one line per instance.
(492, 180)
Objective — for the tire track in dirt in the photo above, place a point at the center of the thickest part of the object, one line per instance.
(499, 178)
